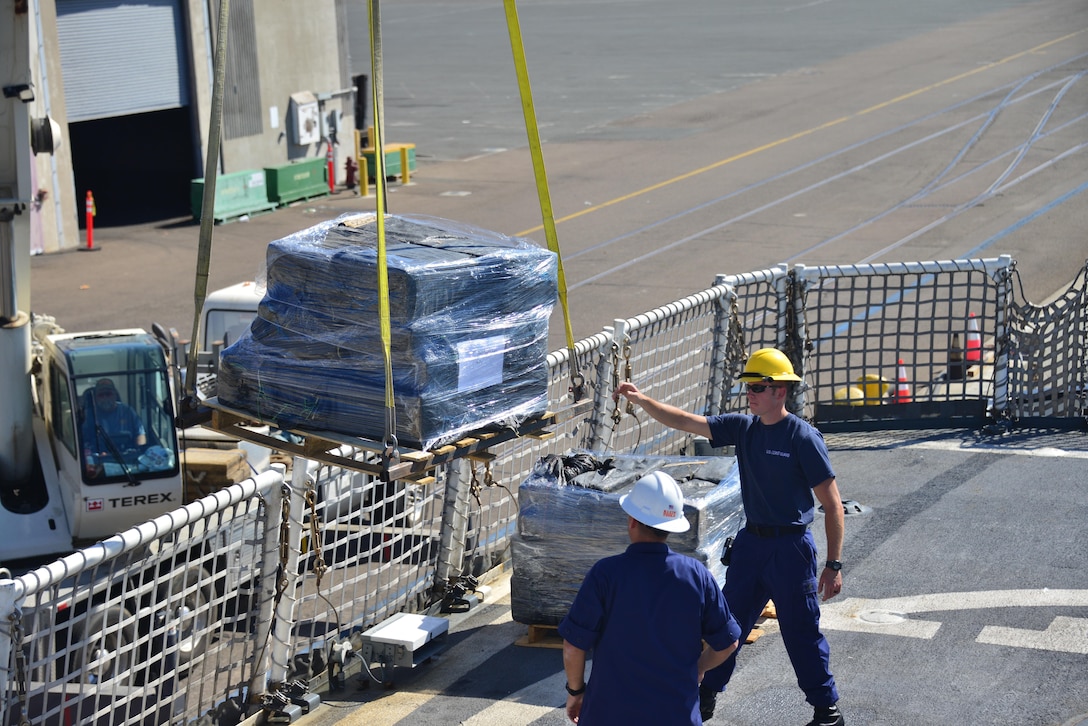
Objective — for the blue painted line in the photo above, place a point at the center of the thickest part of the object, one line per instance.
(843, 328)
(1030, 218)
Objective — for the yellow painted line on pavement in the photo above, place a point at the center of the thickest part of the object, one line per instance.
(808, 132)
(509, 713)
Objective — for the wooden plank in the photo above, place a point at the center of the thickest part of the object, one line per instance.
(753, 635)
(405, 465)
(415, 455)
(769, 613)
(541, 636)
(541, 435)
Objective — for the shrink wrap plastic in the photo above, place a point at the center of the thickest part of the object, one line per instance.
(568, 520)
(469, 313)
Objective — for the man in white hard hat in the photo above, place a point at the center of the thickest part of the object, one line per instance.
(646, 615)
(783, 464)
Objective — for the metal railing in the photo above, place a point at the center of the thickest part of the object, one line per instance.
(151, 626)
(235, 602)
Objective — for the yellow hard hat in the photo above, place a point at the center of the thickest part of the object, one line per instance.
(768, 364)
(850, 395)
(875, 387)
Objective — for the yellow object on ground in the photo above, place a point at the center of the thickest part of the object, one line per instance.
(874, 388)
(850, 395)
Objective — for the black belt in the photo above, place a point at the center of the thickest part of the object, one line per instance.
(761, 531)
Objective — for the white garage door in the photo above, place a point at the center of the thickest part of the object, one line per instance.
(121, 57)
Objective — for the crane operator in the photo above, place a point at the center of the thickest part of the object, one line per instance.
(110, 427)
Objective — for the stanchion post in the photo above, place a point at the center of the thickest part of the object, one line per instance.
(91, 211)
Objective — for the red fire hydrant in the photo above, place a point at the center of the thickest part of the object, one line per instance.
(350, 167)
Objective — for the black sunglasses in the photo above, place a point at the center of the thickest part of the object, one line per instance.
(759, 387)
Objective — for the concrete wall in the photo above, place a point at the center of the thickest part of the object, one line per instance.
(43, 183)
(299, 49)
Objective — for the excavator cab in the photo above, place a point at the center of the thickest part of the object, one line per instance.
(109, 413)
(124, 418)
(118, 440)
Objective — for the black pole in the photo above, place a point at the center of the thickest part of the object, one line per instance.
(360, 101)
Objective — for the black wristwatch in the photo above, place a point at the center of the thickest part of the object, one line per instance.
(575, 691)
(833, 565)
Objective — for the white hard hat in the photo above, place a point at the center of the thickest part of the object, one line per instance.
(656, 501)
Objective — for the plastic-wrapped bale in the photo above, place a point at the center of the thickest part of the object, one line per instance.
(469, 313)
(566, 524)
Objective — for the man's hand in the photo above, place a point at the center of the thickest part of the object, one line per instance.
(574, 707)
(90, 465)
(830, 584)
(625, 389)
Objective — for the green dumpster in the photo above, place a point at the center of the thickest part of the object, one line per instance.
(236, 194)
(300, 179)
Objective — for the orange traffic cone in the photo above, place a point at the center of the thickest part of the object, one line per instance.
(902, 389)
(974, 340)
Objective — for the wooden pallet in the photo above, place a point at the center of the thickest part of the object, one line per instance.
(757, 632)
(541, 636)
(547, 636)
(408, 464)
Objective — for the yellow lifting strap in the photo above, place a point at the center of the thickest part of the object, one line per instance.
(377, 142)
(518, 49)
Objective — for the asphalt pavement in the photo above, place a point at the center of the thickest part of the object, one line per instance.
(965, 601)
(966, 595)
(679, 144)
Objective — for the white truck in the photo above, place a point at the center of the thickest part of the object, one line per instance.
(90, 446)
(102, 453)
(88, 440)
(225, 316)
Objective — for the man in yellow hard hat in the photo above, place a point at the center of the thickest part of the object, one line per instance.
(783, 465)
(645, 614)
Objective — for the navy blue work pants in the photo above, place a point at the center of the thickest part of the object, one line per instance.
(782, 569)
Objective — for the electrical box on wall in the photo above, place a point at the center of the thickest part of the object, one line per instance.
(304, 118)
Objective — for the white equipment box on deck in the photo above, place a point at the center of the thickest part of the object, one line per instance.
(406, 639)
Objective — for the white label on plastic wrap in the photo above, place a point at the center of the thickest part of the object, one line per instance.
(480, 362)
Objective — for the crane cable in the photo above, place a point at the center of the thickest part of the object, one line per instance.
(187, 401)
(377, 98)
(577, 387)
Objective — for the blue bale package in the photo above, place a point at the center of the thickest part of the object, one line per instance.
(469, 312)
(566, 525)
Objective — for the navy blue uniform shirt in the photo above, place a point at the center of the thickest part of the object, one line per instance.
(779, 465)
(644, 615)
